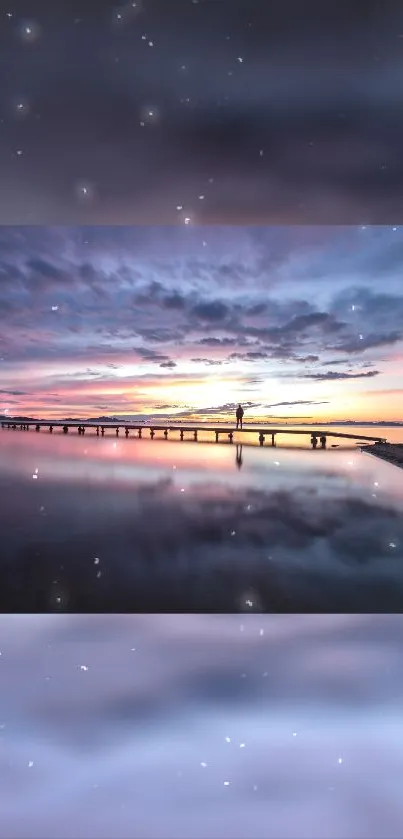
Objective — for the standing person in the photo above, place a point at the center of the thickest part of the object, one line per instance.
(239, 416)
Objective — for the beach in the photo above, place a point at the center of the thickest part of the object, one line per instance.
(391, 452)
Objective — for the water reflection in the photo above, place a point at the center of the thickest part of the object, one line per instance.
(238, 456)
(100, 524)
(209, 727)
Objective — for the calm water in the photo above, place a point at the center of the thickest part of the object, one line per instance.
(91, 524)
(208, 727)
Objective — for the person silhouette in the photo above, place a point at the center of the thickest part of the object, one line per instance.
(238, 458)
(314, 440)
(239, 416)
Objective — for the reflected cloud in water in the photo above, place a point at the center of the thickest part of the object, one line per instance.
(201, 726)
(154, 526)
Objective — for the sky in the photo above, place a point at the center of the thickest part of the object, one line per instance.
(295, 322)
(219, 111)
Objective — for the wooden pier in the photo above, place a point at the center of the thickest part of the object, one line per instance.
(222, 433)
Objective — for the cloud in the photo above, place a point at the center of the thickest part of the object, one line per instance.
(332, 375)
(356, 344)
(209, 361)
(169, 364)
(213, 311)
(297, 402)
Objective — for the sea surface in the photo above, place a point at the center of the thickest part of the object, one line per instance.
(95, 524)
(201, 726)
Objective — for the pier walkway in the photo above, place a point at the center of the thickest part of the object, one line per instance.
(222, 432)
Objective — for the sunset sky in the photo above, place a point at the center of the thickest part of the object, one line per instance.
(297, 323)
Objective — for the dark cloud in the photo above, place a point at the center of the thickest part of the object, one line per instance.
(332, 375)
(213, 311)
(169, 364)
(255, 129)
(356, 344)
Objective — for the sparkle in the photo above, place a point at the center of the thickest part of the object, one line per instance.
(340, 760)
(228, 739)
(203, 764)
(227, 783)
(242, 745)
(151, 43)
(84, 667)
(54, 308)
(96, 560)
(294, 733)
(179, 207)
(240, 59)
(84, 191)
(261, 632)
(19, 152)
(30, 764)
(201, 197)
(233, 532)
(392, 544)
(187, 220)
